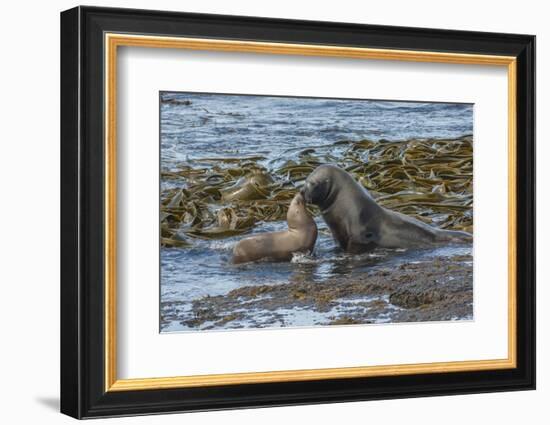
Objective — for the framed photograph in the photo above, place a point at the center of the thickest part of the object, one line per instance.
(261, 212)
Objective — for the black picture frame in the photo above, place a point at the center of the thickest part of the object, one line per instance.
(83, 392)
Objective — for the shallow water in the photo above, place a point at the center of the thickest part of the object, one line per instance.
(227, 126)
(189, 274)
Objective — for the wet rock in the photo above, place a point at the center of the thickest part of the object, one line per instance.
(412, 299)
(346, 320)
(435, 290)
(174, 101)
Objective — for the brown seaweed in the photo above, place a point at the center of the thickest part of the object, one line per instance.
(430, 179)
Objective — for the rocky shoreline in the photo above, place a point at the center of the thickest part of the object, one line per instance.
(436, 290)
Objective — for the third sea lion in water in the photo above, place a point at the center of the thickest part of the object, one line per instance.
(280, 246)
(359, 224)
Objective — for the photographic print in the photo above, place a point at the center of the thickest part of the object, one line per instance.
(280, 212)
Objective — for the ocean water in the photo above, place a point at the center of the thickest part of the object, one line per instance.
(198, 126)
(229, 125)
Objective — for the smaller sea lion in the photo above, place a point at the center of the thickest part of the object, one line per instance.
(279, 246)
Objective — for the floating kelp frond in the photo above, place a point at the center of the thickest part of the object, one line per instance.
(430, 179)
(230, 160)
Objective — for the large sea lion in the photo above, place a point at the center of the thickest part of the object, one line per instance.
(279, 246)
(359, 224)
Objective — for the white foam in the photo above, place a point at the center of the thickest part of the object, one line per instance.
(222, 245)
(303, 258)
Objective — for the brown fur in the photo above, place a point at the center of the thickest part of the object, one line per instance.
(279, 246)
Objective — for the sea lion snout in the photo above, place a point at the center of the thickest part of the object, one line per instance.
(316, 187)
(298, 198)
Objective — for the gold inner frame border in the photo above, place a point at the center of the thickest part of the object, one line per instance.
(113, 40)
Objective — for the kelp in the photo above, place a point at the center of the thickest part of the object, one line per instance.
(216, 198)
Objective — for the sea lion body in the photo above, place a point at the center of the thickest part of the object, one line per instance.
(359, 224)
(280, 246)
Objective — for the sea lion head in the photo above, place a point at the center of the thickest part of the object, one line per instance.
(317, 189)
(297, 215)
